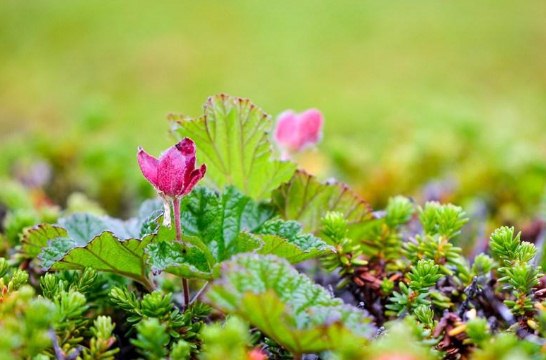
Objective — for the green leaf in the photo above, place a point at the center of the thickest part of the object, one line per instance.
(215, 228)
(285, 239)
(232, 138)
(55, 240)
(229, 340)
(184, 260)
(82, 227)
(287, 306)
(36, 238)
(79, 229)
(220, 226)
(218, 220)
(305, 199)
(80, 241)
(104, 252)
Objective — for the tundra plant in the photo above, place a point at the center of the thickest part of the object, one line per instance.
(173, 175)
(259, 245)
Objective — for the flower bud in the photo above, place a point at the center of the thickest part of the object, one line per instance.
(173, 174)
(295, 132)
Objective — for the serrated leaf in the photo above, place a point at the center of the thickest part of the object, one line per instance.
(287, 306)
(106, 252)
(232, 138)
(80, 228)
(305, 199)
(285, 239)
(229, 224)
(219, 219)
(220, 222)
(192, 259)
(72, 231)
(101, 243)
(281, 247)
(36, 238)
(184, 260)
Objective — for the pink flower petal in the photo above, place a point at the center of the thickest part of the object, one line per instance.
(186, 147)
(171, 171)
(174, 173)
(148, 165)
(310, 126)
(286, 134)
(196, 175)
(296, 131)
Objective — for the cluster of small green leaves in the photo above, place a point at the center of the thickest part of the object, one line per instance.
(54, 324)
(431, 256)
(432, 285)
(441, 224)
(517, 270)
(159, 323)
(62, 323)
(383, 240)
(230, 340)
(417, 294)
(348, 254)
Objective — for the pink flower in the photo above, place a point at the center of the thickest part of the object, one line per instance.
(296, 131)
(174, 173)
(256, 354)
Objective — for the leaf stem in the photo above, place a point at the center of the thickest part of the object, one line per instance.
(178, 227)
(149, 285)
(186, 289)
(199, 293)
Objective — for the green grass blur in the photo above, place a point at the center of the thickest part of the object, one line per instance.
(411, 91)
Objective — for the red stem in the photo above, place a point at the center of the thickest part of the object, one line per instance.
(178, 226)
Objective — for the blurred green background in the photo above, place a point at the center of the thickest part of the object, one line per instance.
(447, 97)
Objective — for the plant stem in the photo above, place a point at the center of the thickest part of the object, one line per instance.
(178, 227)
(177, 224)
(198, 294)
(147, 283)
(186, 288)
(285, 155)
(298, 356)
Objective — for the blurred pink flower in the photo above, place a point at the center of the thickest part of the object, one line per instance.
(294, 131)
(174, 173)
(256, 354)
